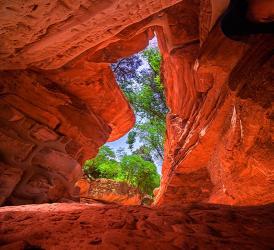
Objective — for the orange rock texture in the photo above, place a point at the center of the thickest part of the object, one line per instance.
(49, 129)
(219, 146)
(82, 226)
(60, 102)
(108, 191)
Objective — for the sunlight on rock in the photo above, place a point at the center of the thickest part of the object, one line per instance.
(99, 97)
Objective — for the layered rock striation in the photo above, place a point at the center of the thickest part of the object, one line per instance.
(219, 145)
(60, 102)
(59, 99)
(47, 132)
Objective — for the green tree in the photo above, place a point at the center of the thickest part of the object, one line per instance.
(151, 134)
(132, 169)
(140, 173)
(144, 152)
(104, 165)
(145, 92)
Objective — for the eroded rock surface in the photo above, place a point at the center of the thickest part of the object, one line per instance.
(219, 145)
(48, 130)
(60, 101)
(51, 121)
(48, 34)
(108, 191)
(79, 226)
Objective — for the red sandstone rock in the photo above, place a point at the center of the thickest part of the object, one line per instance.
(79, 226)
(108, 191)
(48, 34)
(261, 11)
(218, 147)
(60, 102)
(48, 138)
(95, 85)
(63, 103)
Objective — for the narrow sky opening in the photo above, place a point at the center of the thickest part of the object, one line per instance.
(121, 144)
(137, 157)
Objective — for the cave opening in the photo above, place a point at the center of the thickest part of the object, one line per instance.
(60, 102)
(132, 164)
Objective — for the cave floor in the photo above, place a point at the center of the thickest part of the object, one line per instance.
(101, 226)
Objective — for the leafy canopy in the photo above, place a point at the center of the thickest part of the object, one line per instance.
(139, 78)
(145, 91)
(104, 165)
(131, 168)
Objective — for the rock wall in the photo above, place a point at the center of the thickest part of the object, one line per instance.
(47, 131)
(219, 145)
(59, 98)
(108, 191)
(60, 102)
(48, 34)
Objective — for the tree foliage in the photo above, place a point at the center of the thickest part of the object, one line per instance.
(104, 165)
(140, 173)
(131, 168)
(139, 78)
(145, 91)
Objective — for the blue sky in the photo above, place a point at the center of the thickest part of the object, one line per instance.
(121, 143)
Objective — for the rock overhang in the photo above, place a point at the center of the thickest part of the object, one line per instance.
(209, 96)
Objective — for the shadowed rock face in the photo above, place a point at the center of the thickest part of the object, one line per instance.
(48, 129)
(79, 226)
(219, 145)
(60, 102)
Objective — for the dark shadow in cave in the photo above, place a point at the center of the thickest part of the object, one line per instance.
(237, 21)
